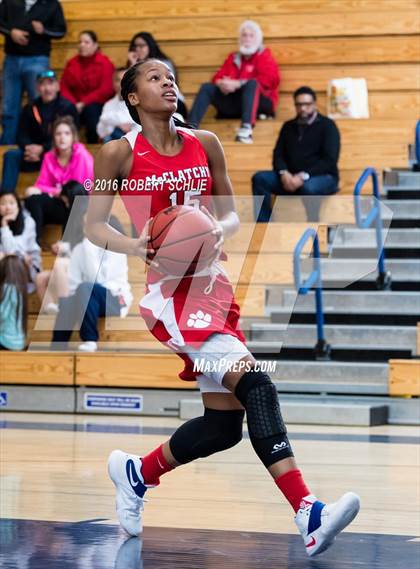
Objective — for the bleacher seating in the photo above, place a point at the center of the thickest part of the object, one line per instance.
(307, 40)
(313, 42)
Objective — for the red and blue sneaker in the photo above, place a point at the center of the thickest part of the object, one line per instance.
(320, 523)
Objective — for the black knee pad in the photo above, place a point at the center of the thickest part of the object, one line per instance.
(266, 427)
(213, 432)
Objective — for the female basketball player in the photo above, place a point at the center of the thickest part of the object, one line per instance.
(197, 316)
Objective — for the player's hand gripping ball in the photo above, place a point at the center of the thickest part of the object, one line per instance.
(183, 239)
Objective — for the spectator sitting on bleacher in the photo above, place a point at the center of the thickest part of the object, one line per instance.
(144, 46)
(53, 284)
(29, 26)
(245, 86)
(34, 135)
(115, 119)
(68, 161)
(17, 236)
(304, 159)
(87, 82)
(98, 287)
(13, 303)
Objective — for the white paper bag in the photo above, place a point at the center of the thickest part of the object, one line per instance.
(348, 99)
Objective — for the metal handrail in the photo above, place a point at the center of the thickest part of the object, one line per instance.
(322, 348)
(374, 215)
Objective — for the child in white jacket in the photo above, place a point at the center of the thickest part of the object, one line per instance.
(115, 120)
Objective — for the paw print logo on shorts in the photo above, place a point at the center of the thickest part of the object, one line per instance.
(199, 320)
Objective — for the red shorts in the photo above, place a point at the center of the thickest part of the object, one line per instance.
(178, 312)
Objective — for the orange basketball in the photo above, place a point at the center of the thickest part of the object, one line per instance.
(183, 241)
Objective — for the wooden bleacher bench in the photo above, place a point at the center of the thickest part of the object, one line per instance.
(243, 161)
(380, 45)
(312, 43)
(418, 338)
(130, 370)
(404, 377)
(241, 179)
(32, 368)
(251, 237)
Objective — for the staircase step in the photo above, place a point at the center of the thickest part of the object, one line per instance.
(339, 353)
(401, 209)
(401, 177)
(304, 335)
(381, 302)
(317, 413)
(337, 273)
(331, 377)
(313, 412)
(355, 237)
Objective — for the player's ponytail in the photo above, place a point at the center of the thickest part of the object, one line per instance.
(128, 85)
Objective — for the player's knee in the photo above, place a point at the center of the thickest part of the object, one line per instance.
(267, 430)
(225, 428)
(203, 436)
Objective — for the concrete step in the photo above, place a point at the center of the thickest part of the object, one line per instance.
(381, 302)
(168, 402)
(339, 352)
(313, 412)
(401, 209)
(331, 377)
(366, 238)
(361, 243)
(399, 177)
(380, 337)
(341, 272)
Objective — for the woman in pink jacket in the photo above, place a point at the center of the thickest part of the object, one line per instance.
(68, 161)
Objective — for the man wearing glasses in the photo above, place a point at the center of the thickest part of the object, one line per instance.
(304, 159)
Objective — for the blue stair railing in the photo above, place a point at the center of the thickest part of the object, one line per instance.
(417, 144)
(322, 349)
(384, 280)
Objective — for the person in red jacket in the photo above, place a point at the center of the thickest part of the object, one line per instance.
(245, 86)
(87, 82)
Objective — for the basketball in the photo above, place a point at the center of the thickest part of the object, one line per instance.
(182, 239)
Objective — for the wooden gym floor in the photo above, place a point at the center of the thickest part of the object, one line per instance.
(57, 503)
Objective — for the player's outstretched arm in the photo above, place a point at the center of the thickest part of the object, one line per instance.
(222, 188)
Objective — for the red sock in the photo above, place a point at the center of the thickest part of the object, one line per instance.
(293, 487)
(153, 466)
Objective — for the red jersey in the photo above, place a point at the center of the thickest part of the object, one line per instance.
(177, 310)
(162, 181)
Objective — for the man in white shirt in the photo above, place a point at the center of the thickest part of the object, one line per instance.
(115, 119)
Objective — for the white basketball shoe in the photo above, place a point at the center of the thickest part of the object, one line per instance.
(320, 523)
(125, 472)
